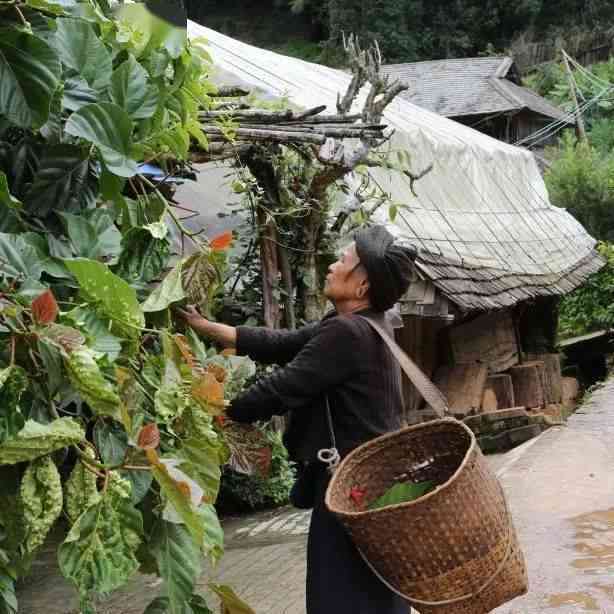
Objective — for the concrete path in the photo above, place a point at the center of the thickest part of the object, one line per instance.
(561, 492)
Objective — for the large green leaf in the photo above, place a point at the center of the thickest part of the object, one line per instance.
(109, 128)
(99, 553)
(174, 490)
(55, 7)
(41, 498)
(213, 545)
(29, 75)
(143, 257)
(22, 258)
(131, 90)
(88, 380)
(62, 182)
(9, 208)
(114, 298)
(77, 93)
(201, 463)
(81, 490)
(52, 360)
(111, 441)
(94, 235)
(178, 558)
(168, 292)
(35, 440)
(101, 340)
(81, 49)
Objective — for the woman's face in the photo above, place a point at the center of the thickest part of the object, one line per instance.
(347, 278)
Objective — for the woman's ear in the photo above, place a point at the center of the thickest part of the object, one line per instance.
(362, 289)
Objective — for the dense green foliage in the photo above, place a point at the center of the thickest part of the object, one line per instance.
(590, 307)
(109, 418)
(581, 179)
(407, 30)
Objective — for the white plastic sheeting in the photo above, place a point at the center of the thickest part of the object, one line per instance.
(484, 202)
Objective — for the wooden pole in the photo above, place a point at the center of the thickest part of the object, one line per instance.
(580, 128)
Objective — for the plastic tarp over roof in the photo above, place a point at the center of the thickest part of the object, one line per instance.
(484, 206)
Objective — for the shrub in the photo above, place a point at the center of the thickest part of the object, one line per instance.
(241, 493)
(590, 307)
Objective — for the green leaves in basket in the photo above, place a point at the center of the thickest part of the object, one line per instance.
(402, 493)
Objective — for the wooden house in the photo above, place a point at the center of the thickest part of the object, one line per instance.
(483, 93)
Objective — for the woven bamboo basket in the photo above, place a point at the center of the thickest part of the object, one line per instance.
(453, 551)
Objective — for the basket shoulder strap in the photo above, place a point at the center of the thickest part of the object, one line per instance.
(431, 394)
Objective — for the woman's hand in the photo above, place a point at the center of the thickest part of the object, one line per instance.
(226, 335)
(193, 318)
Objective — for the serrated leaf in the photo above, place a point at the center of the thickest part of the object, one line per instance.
(213, 546)
(178, 558)
(29, 76)
(131, 90)
(45, 308)
(99, 553)
(41, 498)
(109, 128)
(35, 440)
(80, 48)
(100, 340)
(179, 495)
(113, 297)
(231, 603)
(111, 441)
(62, 182)
(81, 491)
(87, 378)
(200, 459)
(52, 360)
(168, 292)
(13, 383)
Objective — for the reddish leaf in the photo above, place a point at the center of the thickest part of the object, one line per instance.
(185, 350)
(221, 242)
(263, 461)
(66, 337)
(357, 495)
(209, 392)
(149, 437)
(220, 420)
(44, 308)
(217, 371)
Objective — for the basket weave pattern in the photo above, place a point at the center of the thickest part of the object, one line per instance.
(446, 544)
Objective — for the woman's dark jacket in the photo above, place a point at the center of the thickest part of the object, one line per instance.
(340, 356)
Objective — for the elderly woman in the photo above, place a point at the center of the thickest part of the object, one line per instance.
(342, 359)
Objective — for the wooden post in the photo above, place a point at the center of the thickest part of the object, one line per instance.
(501, 386)
(580, 128)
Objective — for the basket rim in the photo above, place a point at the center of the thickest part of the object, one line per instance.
(416, 427)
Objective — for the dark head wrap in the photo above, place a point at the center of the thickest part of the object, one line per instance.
(389, 266)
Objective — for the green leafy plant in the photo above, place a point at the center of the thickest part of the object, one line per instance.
(109, 417)
(590, 307)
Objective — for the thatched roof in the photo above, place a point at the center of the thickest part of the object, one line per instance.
(469, 86)
(486, 232)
